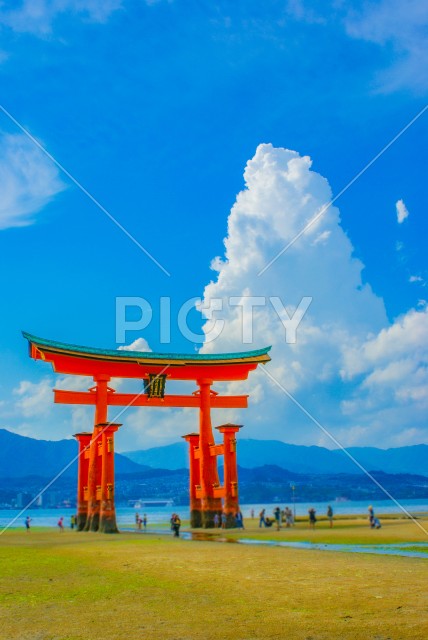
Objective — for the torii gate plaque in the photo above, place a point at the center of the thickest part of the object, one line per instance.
(95, 491)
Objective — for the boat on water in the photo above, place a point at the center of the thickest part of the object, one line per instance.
(140, 504)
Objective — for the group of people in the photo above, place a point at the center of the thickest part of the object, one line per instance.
(221, 520)
(313, 517)
(60, 523)
(286, 516)
(279, 517)
(141, 522)
(373, 520)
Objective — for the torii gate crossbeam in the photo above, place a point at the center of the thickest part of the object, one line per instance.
(141, 400)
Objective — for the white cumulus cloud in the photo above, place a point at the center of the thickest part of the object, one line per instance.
(362, 376)
(391, 369)
(282, 195)
(140, 344)
(406, 338)
(402, 211)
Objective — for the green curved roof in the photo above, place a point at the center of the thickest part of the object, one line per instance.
(149, 355)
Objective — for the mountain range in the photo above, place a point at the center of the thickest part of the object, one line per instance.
(298, 458)
(22, 456)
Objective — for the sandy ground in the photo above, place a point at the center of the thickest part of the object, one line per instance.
(92, 586)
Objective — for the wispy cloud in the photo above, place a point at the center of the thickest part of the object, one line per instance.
(398, 27)
(28, 181)
(403, 27)
(38, 16)
(34, 398)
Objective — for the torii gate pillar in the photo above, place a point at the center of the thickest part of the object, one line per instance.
(84, 440)
(94, 469)
(194, 480)
(210, 505)
(106, 450)
(231, 501)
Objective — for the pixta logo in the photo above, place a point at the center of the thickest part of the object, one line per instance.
(246, 309)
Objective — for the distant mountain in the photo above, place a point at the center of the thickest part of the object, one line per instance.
(21, 456)
(171, 456)
(298, 458)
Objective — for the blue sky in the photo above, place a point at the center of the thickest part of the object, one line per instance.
(156, 108)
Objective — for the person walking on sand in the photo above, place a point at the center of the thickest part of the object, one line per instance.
(145, 522)
(176, 524)
(371, 516)
(330, 514)
(262, 520)
(61, 524)
(312, 518)
(137, 518)
(27, 523)
(239, 520)
(374, 522)
(277, 515)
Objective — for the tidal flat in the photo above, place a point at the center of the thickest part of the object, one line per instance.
(69, 586)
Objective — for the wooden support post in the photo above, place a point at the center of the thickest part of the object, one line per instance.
(208, 463)
(94, 470)
(107, 507)
(231, 500)
(195, 480)
(83, 439)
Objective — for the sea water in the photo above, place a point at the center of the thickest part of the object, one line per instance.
(156, 515)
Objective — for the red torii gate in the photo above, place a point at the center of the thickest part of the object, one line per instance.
(95, 486)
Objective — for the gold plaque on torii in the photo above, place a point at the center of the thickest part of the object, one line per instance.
(154, 387)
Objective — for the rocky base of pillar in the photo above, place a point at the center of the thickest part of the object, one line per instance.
(108, 524)
(230, 521)
(196, 518)
(208, 518)
(81, 521)
(210, 507)
(93, 522)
